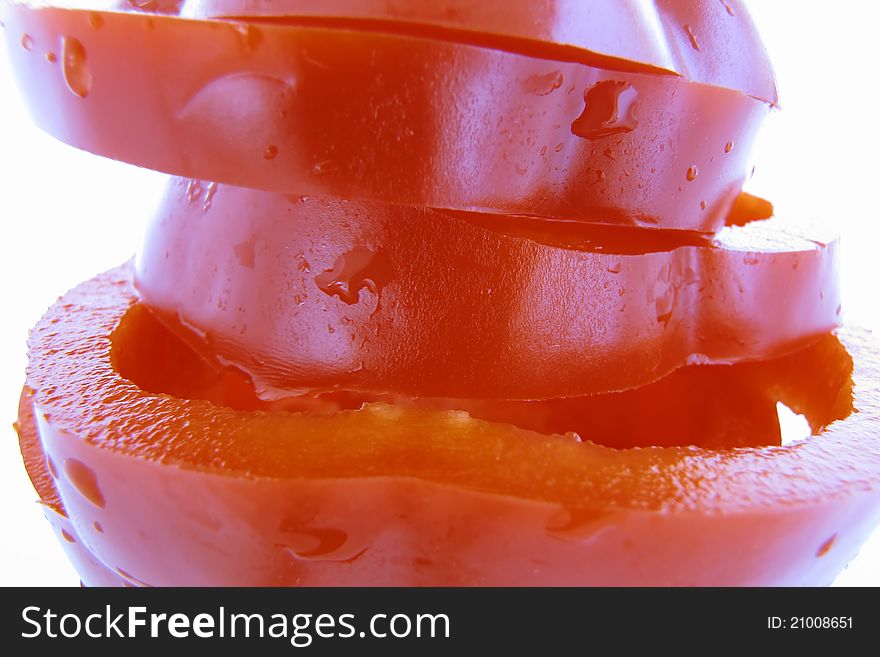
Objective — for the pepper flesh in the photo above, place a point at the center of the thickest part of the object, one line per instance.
(395, 118)
(397, 495)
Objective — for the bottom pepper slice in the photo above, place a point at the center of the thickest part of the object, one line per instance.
(42, 472)
(189, 492)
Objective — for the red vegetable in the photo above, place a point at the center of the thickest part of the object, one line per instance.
(390, 117)
(41, 474)
(423, 330)
(191, 492)
(316, 294)
(708, 41)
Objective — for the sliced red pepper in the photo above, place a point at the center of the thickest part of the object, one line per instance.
(191, 492)
(397, 118)
(308, 293)
(42, 472)
(708, 41)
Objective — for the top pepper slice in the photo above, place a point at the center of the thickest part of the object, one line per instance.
(710, 41)
(391, 117)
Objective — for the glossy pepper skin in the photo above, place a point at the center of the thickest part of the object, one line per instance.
(88, 566)
(329, 111)
(318, 293)
(709, 41)
(192, 492)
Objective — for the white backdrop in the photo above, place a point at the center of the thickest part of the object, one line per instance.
(67, 215)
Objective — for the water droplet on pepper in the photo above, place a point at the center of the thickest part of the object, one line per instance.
(359, 268)
(541, 85)
(692, 37)
(74, 67)
(608, 110)
(84, 480)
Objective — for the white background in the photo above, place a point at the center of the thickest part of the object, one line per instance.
(66, 215)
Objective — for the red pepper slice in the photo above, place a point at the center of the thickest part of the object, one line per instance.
(313, 293)
(42, 473)
(396, 118)
(708, 41)
(191, 492)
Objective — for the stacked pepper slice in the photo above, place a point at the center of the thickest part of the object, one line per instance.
(319, 292)
(182, 488)
(304, 109)
(444, 295)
